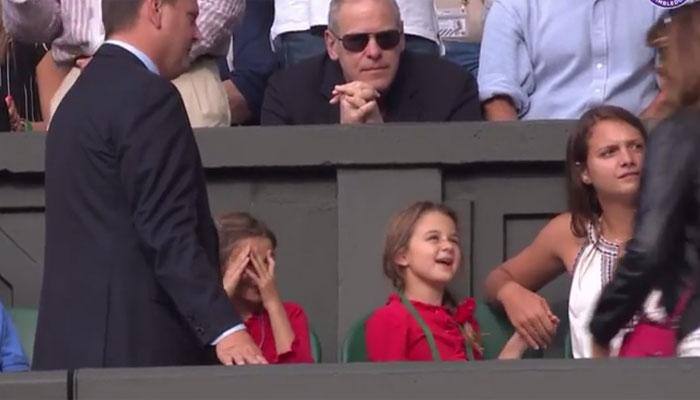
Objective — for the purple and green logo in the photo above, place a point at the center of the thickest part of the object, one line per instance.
(668, 3)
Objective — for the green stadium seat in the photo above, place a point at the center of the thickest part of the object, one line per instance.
(354, 348)
(315, 346)
(24, 320)
(495, 331)
(568, 350)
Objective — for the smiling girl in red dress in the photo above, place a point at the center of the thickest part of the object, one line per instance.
(421, 322)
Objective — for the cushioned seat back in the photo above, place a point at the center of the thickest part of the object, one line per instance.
(24, 320)
(495, 329)
(315, 346)
(354, 348)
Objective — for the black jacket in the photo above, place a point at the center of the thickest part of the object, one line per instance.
(663, 252)
(4, 118)
(131, 275)
(425, 89)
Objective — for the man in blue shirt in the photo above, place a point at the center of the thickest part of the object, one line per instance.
(544, 59)
(12, 358)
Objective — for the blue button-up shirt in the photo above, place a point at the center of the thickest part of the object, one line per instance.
(558, 58)
(138, 53)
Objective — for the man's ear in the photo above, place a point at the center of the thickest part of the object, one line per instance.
(331, 41)
(154, 12)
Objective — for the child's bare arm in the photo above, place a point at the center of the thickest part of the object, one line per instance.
(514, 348)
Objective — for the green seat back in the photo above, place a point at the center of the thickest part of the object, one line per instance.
(24, 320)
(315, 346)
(568, 350)
(354, 348)
(495, 329)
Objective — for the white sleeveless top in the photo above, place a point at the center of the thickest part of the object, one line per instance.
(592, 270)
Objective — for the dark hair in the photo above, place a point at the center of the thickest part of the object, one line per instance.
(583, 199)
(121, 14)
(657, 35)
(682, 56)
(235, 226)
(399, 234)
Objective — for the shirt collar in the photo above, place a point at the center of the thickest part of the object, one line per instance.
(138, 53)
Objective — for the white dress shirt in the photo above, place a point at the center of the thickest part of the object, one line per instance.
(418, 16)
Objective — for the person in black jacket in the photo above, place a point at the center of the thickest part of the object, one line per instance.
(664, 251)
(366, 77)
(131, 275)
(5, 125)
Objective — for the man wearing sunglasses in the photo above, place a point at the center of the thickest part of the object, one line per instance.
(366, 77)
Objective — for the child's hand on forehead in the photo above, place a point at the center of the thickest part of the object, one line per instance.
(263, 274)
(235, 266)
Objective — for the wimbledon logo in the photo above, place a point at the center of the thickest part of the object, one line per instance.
(668, 3)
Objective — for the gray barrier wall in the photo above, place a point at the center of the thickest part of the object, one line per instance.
(328, 192)
(651, 379)
(526, 379)
(51, 385)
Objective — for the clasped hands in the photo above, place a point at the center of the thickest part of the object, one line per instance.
(358, 102)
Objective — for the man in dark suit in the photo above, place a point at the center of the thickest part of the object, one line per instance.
(366, 77)
(131, 268)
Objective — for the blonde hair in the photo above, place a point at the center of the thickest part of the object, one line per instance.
(401, 228)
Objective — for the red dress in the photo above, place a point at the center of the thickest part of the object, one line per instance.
(392, 334)
(260, 329)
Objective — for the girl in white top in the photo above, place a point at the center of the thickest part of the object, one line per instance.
(592, 270)
(603, 161)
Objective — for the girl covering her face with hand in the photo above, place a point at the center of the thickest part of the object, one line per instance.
(246, 251)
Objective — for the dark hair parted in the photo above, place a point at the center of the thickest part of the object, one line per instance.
(399, 232)
(235, 226)
(582, 198)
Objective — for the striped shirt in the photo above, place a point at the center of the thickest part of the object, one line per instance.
(75, 26)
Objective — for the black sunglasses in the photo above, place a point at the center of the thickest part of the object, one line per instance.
(356, 42)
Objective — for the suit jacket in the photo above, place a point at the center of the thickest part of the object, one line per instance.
(131, 274)
(425, 89)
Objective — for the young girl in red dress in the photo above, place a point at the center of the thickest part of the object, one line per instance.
(246, 251)
(421, 322)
